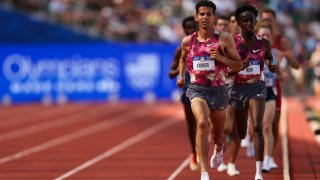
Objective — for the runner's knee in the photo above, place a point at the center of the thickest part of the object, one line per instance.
(257, 128)
(203, 125)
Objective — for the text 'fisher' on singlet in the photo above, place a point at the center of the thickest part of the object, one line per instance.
(202, 68)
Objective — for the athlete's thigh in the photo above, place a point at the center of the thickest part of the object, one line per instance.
(200, 109)
(269, 112)
(218, 119)
(256, 108)
(240, 118)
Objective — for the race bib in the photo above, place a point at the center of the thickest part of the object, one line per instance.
(203, 63)
(250, 70)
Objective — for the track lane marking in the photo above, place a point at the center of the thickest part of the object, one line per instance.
(123, 118)
(284, 137)
(125, 144)
(183, 165)
(54, 123)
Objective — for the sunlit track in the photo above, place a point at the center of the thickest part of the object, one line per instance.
(19, 110)
(121, 118)
(123, 141)
(183, 165)
(58, 122)
(42, 115)
(142, 135)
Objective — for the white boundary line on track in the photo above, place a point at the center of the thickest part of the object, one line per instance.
(17, 120)
(53, 123)
(125, 144)
(284, 137)
(183, 165)
(123, 118)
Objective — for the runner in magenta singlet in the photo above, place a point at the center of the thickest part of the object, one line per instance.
(207, 54)
(202, 68)
(248, 92)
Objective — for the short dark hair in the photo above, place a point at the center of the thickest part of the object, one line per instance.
(206, 3)
(264, 23)
(185, 20)
(268, 10)
(223, 17)
(244, 8)
(231, 14)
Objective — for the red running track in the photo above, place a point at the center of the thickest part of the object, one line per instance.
(103, 141)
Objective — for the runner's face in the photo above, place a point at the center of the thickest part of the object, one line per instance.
(265, 33)
(222, 25)
(205, 17)
(190, 27)
(269, 16)
(247, 22)
(233, 25)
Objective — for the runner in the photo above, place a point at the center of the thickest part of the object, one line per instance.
(189, 26)
(230, 128)
(208, 54)
(248, 92)
(264, 29)
(281, 43)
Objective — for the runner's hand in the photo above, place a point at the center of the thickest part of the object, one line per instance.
(180, 82)
(272, 68)
(214, 54)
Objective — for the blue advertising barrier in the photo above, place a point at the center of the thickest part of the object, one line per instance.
(87, 72)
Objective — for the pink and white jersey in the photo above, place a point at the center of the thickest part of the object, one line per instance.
(254, 55)
(202, 68)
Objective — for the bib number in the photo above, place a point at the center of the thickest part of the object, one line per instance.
(203, 64)
(250, 70)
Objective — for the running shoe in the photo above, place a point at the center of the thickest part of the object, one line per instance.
(258, 177)
(222, 167)
(205, 176)
(216, 158)
(273, 164)
(232, 171)
(250, 150)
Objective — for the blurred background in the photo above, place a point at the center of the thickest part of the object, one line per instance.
(56, 51)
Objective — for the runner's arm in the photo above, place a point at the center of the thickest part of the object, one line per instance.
(174, 71)
(182, 62)
(286, 49)
(232, 58)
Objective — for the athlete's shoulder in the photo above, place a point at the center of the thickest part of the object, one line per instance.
(186, 40)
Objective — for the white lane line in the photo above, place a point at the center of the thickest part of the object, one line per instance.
(54, 123)
(284, 137)
(133, 140)
(123, 118)
(44, 115)
(183, 165)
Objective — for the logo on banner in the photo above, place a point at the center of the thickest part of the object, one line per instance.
(142, 71)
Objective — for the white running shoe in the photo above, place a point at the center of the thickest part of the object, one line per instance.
(245, 142)
(205, 176)
(217, 158)
(250, 150)
(232, 171)
(273, 164)
(258, 177)
(266, 164)
(266, 167)
(222, 167)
